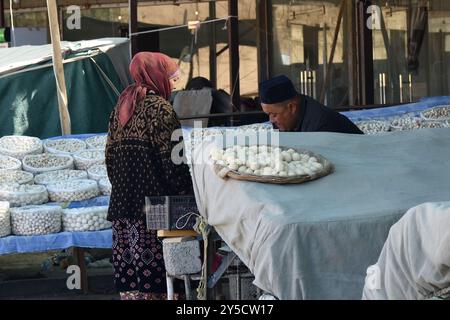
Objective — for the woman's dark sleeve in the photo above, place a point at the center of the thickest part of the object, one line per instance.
(163, 126)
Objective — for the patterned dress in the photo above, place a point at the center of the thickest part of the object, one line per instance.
(139, 164)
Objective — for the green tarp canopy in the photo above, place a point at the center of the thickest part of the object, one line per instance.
(95, 72)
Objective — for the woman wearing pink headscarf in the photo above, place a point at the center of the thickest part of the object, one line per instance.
(138, 161)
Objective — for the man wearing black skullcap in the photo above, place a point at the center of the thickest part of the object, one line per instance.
(291, 111)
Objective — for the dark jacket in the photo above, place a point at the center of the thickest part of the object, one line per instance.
(314, 116)
(138, 159)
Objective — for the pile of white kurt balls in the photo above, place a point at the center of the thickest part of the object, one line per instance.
(64, 146)
(405, 123)
(23, 194)
(59, 176)
(85, 159)
(373, 126)
(266, 161)
(105, 186)
(86, 219)
(96, 142)
(437, 113)
(431, 124)
(97, 172)
(73, 190)
(20, 177)
(19, 146)
(9, 163)
(36, 220)
(5, 223)
(47, 162)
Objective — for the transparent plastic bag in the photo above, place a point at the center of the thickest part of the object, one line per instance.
(20, 146)
(20, 177)
(85, 159)
(73, 190)
(9, 163)
(105, 186)
(46, 162)
(438, 113)
(96, 142)
(86, 219)
(36, 220)
(373, 126)
(21, 195)
(97, 172)
(59, 176)
(5, 219)
(64, 146)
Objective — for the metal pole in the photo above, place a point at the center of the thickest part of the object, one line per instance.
(2, 14)
(264, 25)
(233, 43)
(132, 26)
(58, 67)
(333, 48)
(213, 46)
(365, 55)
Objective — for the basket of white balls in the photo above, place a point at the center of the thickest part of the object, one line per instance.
(269, 164)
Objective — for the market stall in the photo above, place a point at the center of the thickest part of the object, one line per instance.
(315, 240)
(88, 160)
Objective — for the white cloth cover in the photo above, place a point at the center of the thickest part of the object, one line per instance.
(415, 261)
(316, 240)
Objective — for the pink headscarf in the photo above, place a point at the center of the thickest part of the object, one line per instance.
(151, 72)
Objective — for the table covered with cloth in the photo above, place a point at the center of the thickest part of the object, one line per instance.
(316, 240)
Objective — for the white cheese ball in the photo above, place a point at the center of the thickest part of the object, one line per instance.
(283, 174)
(242, 169)
(296, 156)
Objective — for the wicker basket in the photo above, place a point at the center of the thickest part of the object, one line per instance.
(328, 168)
(171, 212)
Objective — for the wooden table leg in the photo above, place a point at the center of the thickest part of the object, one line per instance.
(79, 260)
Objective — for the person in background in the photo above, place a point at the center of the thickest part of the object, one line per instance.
(139, 164)
(291, 111)
(221, 100)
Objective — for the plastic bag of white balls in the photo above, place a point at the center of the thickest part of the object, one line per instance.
(16, 176)
(9, 163)
(20, 146)
(36, 220)
(25, 194)
(73, 190)
(96, 142)
(85, 159)
(64, 146)
(86, 219)
(105, 186)
(5, 220)
(59, 176)
(97, 172)
(373, 126)
(46, 162)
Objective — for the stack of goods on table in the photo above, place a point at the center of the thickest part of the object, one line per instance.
(39, 179)
(436, 117)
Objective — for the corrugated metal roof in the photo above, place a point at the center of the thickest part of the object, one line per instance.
(12, 59)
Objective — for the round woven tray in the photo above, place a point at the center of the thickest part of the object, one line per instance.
(328, 168)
